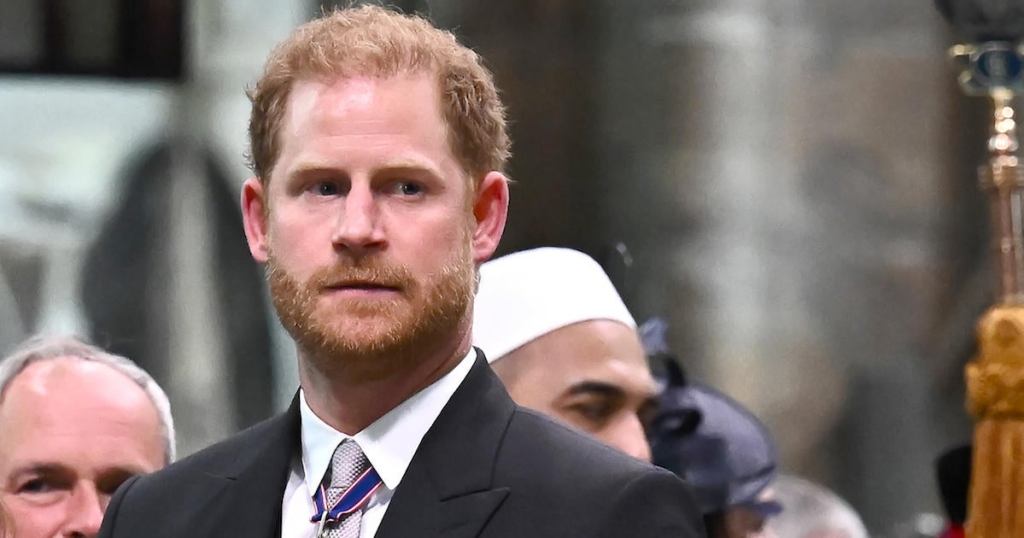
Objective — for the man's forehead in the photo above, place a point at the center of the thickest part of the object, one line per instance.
(338, 96)
(50, 376)
(342, 93)
(601, 376)
(598, 342)
(324, 118)
(595, 351)
(73, 385)
(56, 409)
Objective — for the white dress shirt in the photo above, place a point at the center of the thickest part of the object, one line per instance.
(389, 443)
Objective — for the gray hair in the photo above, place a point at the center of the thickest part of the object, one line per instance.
(43, 348)
(808, 508)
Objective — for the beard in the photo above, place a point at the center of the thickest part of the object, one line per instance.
(373, 337)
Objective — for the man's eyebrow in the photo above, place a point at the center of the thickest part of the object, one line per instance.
(112, 477)
(598, 388)
(40, 468)
(318, 169)
(312, 170)
(408, 168)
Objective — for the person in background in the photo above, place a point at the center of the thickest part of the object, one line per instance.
(811, 511)
(953, 472)
(76, 423)
(561, 340)
(722, 450)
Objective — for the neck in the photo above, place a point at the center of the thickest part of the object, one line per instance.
(351, 403)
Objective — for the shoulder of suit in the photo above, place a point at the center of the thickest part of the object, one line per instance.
(590, 489)
(222, 459)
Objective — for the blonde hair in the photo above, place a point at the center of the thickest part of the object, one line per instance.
(373, 41)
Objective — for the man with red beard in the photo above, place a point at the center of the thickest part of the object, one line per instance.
(377, 144)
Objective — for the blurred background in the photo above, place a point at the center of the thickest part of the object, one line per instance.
(793, 181)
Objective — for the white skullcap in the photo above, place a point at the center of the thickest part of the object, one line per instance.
(528, 294)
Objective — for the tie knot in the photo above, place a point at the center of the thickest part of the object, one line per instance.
(347, 463)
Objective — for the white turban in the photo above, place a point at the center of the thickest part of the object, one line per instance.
(528, 294)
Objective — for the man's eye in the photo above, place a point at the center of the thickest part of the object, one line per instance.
(326, 188)
(36, 485)
(408, 188)
(594, 412)
(42, 491)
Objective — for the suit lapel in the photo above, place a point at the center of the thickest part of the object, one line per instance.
(447, 489)
(255, 483)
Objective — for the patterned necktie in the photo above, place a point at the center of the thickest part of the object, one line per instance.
(347, 464)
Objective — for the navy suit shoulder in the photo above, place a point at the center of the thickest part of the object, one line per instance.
(625, 497)
(199, 495)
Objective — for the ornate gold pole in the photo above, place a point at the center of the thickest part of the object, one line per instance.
(995, 378)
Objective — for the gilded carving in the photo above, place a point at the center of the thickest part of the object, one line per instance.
(995, 379)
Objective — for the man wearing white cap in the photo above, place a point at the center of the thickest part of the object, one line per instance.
(559, 336)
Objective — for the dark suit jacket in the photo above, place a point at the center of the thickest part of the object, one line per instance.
(486, 468)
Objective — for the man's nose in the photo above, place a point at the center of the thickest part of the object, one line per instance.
(85, 512)
(358, 227)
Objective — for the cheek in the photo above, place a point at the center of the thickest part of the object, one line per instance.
(296, 244)
(31, 520)
(428, 242)
(288, 227)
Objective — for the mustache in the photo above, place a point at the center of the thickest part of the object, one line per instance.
(365, 273)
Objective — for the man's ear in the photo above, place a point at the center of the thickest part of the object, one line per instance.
(490, 210)
(254, 218)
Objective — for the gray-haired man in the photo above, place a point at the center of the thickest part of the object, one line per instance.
(75, 422)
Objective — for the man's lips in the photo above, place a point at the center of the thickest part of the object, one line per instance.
(363, 286)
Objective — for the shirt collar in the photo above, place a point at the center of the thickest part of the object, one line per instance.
(391, 441)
